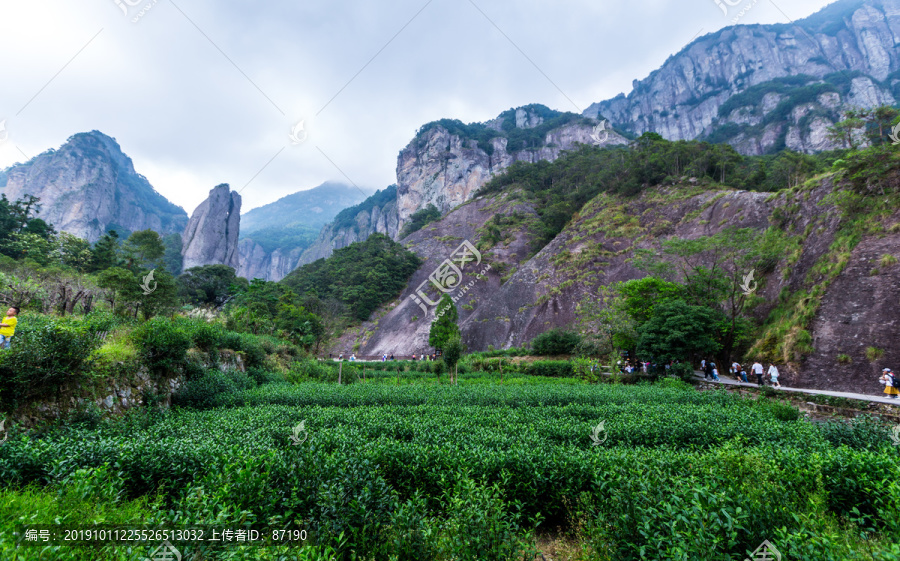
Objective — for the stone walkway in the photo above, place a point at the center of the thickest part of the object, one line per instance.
(730, 382)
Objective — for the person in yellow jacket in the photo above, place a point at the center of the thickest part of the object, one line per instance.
(8, 327)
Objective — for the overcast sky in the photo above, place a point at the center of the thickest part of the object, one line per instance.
(199, 92)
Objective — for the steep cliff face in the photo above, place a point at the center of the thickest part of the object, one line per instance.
(258, 263)
(211, 236)
(521, 295)
(376, 215)
(89, 186)
(448, 162)
(445, 168)
(766, 87)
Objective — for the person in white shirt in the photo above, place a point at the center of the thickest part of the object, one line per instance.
(888, 382)
(773, 374)
(757, 369)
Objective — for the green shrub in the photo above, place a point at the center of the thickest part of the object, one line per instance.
(550, 368)
(162, 345)
(478, 526)
(45, 353)
(684, 371)
(209, 390)
(555, 342)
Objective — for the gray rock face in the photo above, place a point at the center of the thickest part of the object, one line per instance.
(377, 220)
(211, 236)
(89, 186)
(442, 169)
(445, 170)
(257, 263)
(847, 51)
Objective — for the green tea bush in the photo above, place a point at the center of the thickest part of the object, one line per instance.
(478, 525)
(550, 368)
(162, 345)
(860, 433)
(45, 353)
(212, 387)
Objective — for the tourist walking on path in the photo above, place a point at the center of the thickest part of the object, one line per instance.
(708, 373)
(888, 380)
(758, 370)
(703, 368)
(773, 374)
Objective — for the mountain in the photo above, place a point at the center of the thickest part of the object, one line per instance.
(274, 236)
(763, 88)
(89, 186)
(211, 236)
(448, 161)
(312, 208)
(822, 311)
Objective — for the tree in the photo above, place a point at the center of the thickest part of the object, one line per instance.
(124, 289)
(715, 271)
(162, 299)
(105, 253)
(72, 251)
(172, 257)
(555, 342)
(453, 350)
(604, 323)
(143, 249)
(847, 132)
(678, 331)
(444, 327)
(640, 296)
(208, 285)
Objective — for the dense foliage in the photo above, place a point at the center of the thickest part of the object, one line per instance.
(518, 138)
(559, 189)
(555, 342)
(420, 218)
(362, 276)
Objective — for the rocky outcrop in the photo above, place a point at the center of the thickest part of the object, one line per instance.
(367, 220)
(211, 236)
(522, 295)
(446, 169)
(766, 87)
(257, 263)
(88, 187)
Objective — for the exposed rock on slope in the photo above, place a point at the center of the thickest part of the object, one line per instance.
(766, 87)
(257, 263)
(274, 236)
(446, 167)
(211, 236)
(376, 215)
(89, 186)
(524, 295)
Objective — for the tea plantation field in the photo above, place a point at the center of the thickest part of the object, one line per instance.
(413, 470)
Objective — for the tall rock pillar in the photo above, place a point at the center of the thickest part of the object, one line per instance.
(211, 236)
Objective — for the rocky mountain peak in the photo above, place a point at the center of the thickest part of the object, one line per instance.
(211, 236)
(89, 186)
(763, 88)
